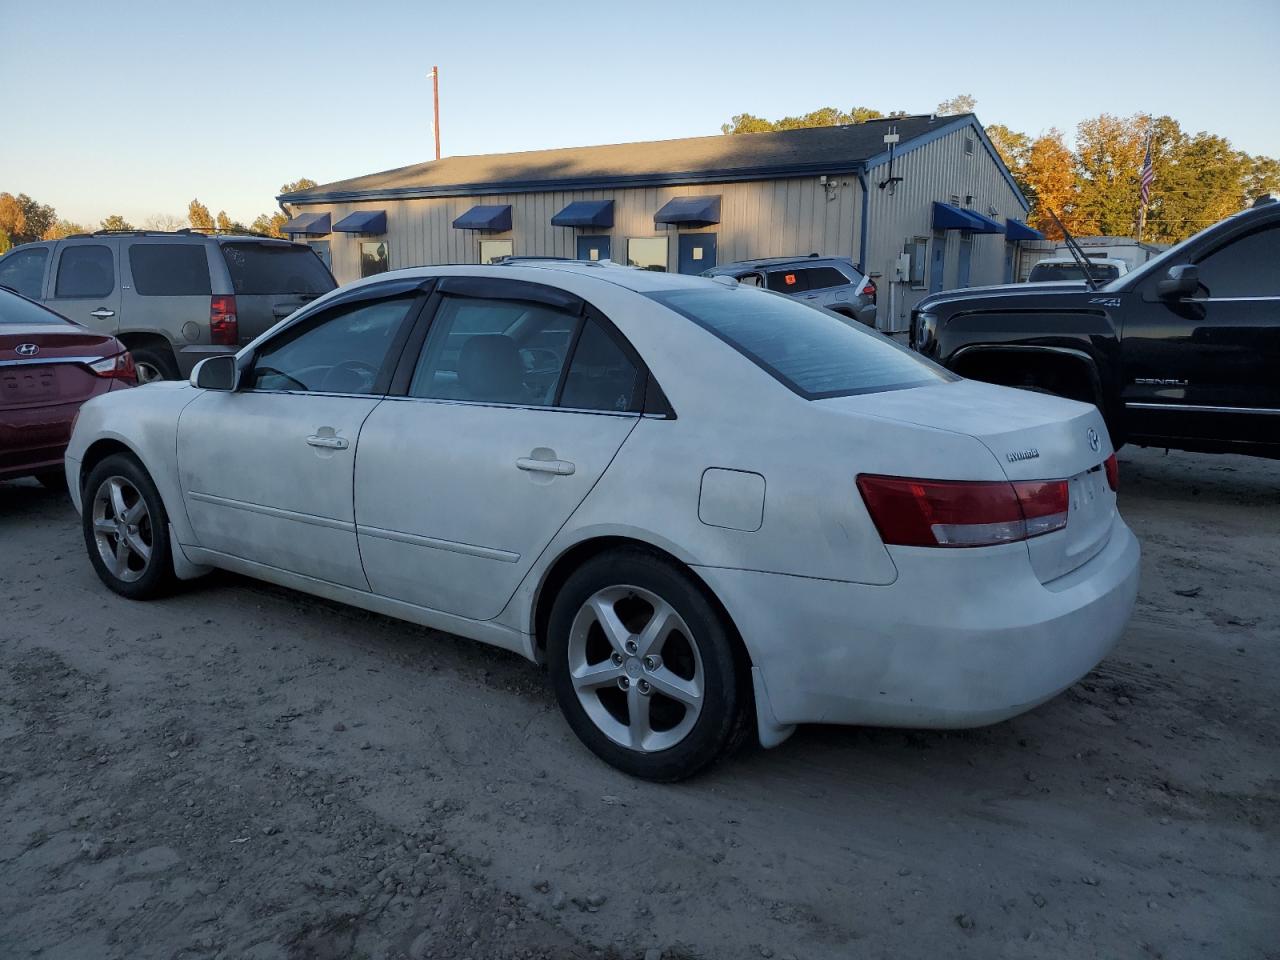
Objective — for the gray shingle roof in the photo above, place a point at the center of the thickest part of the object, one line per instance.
(689, 160)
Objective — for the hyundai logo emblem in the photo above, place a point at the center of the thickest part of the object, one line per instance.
(1094, 440)
(26, 349)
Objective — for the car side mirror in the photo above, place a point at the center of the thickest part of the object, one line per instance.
(1181, 281)
(216, 373)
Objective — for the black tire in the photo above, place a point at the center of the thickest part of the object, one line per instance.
(55, 480)
(157, 359)
(721, 722)
(141, 580)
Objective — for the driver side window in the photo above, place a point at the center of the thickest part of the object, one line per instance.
(494, 351)
(343, 350)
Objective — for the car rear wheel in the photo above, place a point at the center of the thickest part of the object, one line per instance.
(126, 529)
(643, 667)
(154, 363)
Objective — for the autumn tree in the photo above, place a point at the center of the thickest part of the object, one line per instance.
(1014, 149)
(199, 217)
(822, 117)
(301, 184)
(6, 243)
(1109, 152)
(116, 222)
(1050, 177)
(166, 222)
(23, 219)
(1263, 178)
(269, 224)
(63, 228)
(961, 103)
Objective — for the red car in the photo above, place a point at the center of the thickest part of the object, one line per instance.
(48, 367)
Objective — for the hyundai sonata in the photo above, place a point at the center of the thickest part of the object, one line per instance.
(706, 507)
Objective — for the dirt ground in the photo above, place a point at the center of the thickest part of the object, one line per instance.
(241, 771)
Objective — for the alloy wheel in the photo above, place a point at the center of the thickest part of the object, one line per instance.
(122, 529)
(147, 372)
(636, 668)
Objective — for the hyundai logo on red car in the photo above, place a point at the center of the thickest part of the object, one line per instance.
(26, 349)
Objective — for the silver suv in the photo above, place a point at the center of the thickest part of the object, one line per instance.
(171, 298)
(836, 283)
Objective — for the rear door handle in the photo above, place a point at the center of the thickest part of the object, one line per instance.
(102, 313)
(331, 443)
(561, 468)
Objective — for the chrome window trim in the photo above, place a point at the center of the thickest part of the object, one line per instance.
(1203, 408)
(633, 414)
(1266, 299)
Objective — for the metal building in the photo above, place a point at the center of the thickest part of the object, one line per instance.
(923, 203)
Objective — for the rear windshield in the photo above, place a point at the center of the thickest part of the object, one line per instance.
(1043, 272)
(15, 309)
(273, 268)
(814, 353)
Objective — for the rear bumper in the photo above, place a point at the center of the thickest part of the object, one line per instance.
(953, 642)
(192, 354)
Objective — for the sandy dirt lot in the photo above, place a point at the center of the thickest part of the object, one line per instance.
(240, 771)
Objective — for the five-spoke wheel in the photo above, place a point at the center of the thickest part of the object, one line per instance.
(122, 529)
(126, 529)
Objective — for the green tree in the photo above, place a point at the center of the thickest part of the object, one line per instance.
(961, 103)
(1263, 178)
(5, 242)
(1109, 152)
(116, 222)
(301, 184)
(269, 224)
(199, 217)
(822, 117)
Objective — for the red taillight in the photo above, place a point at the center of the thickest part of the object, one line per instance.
(1112, 466)
(119, 367)
(951, 513)
(223, 328)
(870, 290)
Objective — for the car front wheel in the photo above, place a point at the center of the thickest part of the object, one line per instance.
(126, 529)
(643, 667)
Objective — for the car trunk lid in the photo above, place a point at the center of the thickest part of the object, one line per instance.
(1034, 437)
(46, 365)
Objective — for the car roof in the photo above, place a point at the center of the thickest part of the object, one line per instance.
(801, 260)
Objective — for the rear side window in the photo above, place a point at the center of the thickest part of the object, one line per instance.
(601, 375)
(86, 270)
(789, 281)
(23, 270)
(274, 268)
(16, 310)
(822, 277)
(169, 269)
(812, 352)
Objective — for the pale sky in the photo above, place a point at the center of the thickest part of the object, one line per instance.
(136, 107)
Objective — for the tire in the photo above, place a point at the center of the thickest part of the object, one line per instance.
(665, 716)
(54, 480)
(129, 548)
(154, 363)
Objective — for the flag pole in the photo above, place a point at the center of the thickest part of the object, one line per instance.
(435, 104)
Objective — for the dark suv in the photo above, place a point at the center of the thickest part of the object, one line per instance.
(1183, 352)
(171, 298)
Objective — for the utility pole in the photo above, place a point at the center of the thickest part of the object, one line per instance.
(435, 102)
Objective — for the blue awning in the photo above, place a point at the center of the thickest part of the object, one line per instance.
(365, 221)
(493, 216)
(585, 213)
(947, 217)
(690, 211)
(1017, 230)
(315, 224)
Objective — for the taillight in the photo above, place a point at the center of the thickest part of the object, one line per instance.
(223, 327)
(119, 367)
(870, 289)
(1112, 466)
(958, 513)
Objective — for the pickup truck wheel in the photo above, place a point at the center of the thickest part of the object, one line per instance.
(154, 363)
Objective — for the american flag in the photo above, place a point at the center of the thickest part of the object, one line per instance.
(1148, 176)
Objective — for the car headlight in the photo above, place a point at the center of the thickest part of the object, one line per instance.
(924, 333)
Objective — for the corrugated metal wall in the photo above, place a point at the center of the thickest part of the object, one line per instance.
(936, 171)
(761, 218)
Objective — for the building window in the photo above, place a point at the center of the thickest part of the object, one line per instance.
(321, 247)
(647, 253)
(968, 146)
(373, 257)
(491, 251)
(918, 249)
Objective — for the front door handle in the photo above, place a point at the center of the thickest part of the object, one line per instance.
(330, 443)
(560, 468)
(102, 313)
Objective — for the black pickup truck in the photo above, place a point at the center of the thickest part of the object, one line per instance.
(1184, 352)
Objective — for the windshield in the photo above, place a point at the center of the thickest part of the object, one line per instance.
(16, 309)
(275, 268)
(1047, 272)
(812, 352)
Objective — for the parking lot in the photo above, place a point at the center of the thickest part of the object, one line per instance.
(244, 771)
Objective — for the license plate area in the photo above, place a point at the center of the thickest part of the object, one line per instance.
(24, 386)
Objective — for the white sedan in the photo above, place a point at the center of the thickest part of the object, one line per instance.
(705, 507)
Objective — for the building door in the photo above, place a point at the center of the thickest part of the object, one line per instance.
(963, 261)
(1010, 258)
(594, 248)
(938, 263)
(697, 252)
